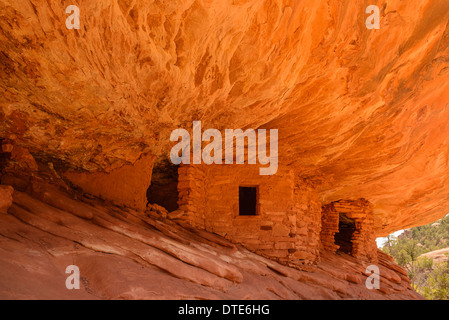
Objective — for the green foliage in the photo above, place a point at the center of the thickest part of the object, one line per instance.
(425, 263)
(437, 287)
(431, 281)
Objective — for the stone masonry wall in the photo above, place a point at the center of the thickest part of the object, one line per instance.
(363, 239)
(287, 226)
(191, 194)
(329, 227)
(125, 186)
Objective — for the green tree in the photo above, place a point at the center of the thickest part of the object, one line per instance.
(437, 287)
(429, 280)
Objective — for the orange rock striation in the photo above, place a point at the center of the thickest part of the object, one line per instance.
(363, 149)
(363, 112)
(129, 254)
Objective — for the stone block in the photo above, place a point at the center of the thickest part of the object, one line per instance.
(284, 245)
(280, 230)
(5, 198)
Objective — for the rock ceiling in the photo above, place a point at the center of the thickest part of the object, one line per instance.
(363, 112)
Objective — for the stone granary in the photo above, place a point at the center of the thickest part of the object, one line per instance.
(280, 216)
(277, 216)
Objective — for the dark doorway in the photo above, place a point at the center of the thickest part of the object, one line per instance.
(248, 201)
(343, 238)
(164, 185)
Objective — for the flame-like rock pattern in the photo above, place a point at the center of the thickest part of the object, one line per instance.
(363, 112)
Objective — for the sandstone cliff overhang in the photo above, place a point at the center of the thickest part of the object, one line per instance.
(362, 112)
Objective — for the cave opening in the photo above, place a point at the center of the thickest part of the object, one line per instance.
(163, 189)
(346, 229)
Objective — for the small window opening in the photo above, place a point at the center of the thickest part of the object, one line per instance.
(248, 197)
(343, 238)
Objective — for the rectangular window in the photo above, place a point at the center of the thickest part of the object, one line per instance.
(248, 197)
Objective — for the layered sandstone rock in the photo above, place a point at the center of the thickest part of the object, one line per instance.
(51, 226)
(128, 254)
(364, 112)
